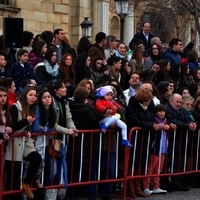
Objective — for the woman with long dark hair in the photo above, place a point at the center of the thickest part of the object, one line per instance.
(82, 67)
(49, 69)
(37, 53)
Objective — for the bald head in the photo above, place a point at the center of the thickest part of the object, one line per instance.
(156, 40)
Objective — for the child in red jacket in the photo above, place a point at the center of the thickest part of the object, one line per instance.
(107, 105)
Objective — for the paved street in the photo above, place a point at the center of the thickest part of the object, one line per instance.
(193, 194)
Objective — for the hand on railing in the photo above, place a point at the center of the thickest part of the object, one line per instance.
(73, 132)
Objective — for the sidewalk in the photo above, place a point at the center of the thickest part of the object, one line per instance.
(193, 194)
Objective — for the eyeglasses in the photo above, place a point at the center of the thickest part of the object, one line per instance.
(188, 104)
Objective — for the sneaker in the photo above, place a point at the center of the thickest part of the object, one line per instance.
(159, 191)
(148, 191)
(126, 143)
(103, 128)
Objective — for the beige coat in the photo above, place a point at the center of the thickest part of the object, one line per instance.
(69, 121)
(19, 151)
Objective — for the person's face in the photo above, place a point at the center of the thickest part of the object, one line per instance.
(146, 28)
(176, 102)
(108, 96)
(168, 66)
(142, 47)
(155, 50)
(185, 93)
(68, 61)
(134, 80)
(187, 104)
(88, 61)
(44, 49)
(60, 35)
(23, 58)
(198, 74)
(88, 87)
(31, 97)
(168, 93)
(161, 114)
(171, 87)
(147, 86)
(92, 83)
(12, 88)
(178, 47)
(62, 91)
(3, 98)
(31, 42)
(114, 44)
(33, 82)
(118, 64)
(155, 67)
(99, 64)
(54, 57)
(3, 62)
(158, 41)
(122, 49)
(46, 99)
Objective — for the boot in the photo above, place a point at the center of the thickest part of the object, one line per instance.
(138, 190)
(51, 194)
(131, 188)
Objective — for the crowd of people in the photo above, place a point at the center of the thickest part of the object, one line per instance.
(49, 86)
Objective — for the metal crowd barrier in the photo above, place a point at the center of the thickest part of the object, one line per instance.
(82, 149)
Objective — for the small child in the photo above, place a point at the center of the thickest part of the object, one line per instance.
(158, 153)
(107, 105)
(21, 70)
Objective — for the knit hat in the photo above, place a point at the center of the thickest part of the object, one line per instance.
(102, 91)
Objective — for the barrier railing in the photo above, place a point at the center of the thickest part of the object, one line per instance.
(88, 147)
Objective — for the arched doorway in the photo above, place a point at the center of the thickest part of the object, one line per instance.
(115, 27)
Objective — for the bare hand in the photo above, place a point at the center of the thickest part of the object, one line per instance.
(192, 126)
(104, 62)
(156, 127)
(8, 130)
(6, 136)
(28, 134)
(30, 119)
(173, 126)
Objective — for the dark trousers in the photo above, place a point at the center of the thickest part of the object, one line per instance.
(35, 160)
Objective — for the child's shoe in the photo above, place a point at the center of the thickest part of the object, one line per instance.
(126, 143)
(103, 128)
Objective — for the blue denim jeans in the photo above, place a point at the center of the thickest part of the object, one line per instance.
(106, 188)
(53, 168)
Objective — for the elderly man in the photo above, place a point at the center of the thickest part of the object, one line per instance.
(144, 35)
(177, 115)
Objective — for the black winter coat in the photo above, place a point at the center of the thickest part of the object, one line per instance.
(136, 116)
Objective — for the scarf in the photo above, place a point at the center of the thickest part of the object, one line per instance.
(51, 70)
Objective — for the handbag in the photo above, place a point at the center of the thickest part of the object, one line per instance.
(55, 147)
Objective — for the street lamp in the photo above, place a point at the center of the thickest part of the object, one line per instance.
(86, 27)
(122, 11)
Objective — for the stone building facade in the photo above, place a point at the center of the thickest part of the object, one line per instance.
(40, 15)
